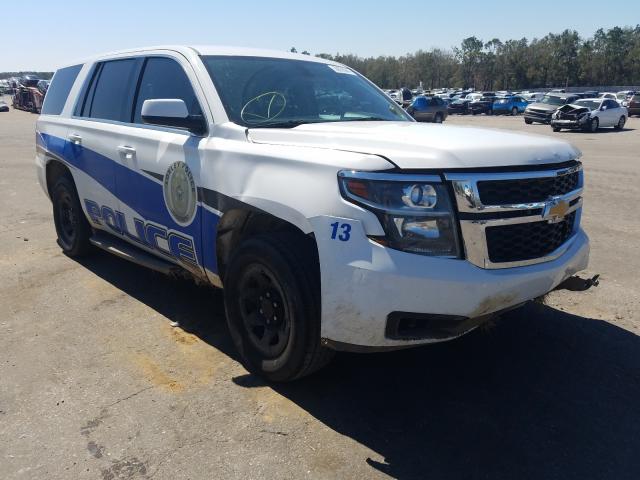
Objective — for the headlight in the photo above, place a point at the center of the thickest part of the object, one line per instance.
(414, 210)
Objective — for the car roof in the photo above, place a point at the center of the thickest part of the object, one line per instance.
(560, 94)
(188, 51)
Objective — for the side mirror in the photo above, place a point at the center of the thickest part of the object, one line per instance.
(172, 112)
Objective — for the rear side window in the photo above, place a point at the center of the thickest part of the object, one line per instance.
(111, 93)
(165, 78)
(59, 90)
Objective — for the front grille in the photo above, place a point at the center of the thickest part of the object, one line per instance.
(538, 113)
(526, 241)
(526, 190)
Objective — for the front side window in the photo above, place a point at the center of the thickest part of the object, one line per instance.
(164, 78)
(111, 93)
(59, 89)
(263, 92)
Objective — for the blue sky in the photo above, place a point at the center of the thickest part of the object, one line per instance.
(60, 31)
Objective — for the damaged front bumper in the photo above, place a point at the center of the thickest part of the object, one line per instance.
(569, 116)
(374, 296)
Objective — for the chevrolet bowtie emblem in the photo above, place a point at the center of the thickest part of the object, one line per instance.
(555, 210)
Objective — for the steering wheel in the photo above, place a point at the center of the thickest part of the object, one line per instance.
(263, 108)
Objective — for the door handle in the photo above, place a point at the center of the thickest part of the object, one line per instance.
(75, 138)
(127, 151)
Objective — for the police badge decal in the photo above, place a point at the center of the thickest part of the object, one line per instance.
(180, 193)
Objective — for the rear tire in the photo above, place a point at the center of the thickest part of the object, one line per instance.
(620, 124)
(272, 300)
(528, 121)
(72, 226)
(437, 118)
(556, 129)
(514, 111)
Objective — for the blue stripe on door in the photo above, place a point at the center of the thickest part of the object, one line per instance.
(137, 191)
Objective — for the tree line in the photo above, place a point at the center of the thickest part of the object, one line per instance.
(609, 57)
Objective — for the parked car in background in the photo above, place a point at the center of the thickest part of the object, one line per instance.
(541, 111)
(532, 97)
(591, 93)
(43, 86)
(610, 95)
(473, 96)
(484, 105)
(511, 105)
(460, 106)
(428, 109)
(634, 105)
(3, 106)
(589, 114)
(623, 97)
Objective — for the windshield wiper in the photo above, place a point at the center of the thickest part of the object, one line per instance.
(364, 119)
(282, 124)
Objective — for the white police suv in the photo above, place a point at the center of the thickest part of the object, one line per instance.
(332, 219)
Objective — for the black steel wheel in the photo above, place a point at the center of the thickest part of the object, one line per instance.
(72, 227)
(265, 313)
(272, 301)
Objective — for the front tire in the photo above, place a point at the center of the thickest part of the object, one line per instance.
(555, 129)
(593, 125)
(72, 227)
(528, 121)
(272, 300)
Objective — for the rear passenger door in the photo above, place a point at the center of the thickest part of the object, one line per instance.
(100, 115)
(159, 170)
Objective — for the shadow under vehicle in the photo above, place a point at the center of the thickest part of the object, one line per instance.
(542, 394)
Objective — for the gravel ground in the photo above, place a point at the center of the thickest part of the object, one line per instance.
(95, 383)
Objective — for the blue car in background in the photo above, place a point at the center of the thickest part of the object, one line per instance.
(511, 105)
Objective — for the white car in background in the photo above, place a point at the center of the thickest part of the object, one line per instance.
(533, 97)
(589, 114)
(610, 95)
(623, 97)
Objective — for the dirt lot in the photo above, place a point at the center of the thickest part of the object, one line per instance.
(95, 383)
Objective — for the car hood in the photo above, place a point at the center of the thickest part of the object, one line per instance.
(412, 145)
(575, 109)
(544, 106)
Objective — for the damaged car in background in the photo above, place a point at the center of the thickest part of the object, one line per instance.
(590, 114)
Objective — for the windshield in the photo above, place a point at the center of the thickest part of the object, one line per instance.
(552, 100)
(590, 104)
(265, 92)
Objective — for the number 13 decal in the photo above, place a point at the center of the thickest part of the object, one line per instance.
(345, 231)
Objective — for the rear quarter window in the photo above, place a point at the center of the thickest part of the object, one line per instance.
(59, 90)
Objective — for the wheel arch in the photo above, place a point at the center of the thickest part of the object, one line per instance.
(54, 169)
(243, 222)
